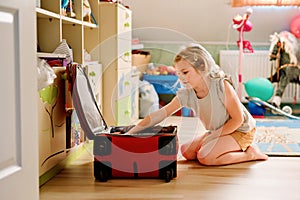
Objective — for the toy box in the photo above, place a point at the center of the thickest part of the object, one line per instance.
(140, 59)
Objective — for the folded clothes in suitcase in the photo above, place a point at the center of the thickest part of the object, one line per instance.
(151, 153)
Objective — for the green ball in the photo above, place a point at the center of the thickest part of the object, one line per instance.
(259, 87)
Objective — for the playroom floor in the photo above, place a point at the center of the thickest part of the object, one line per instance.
(277, 178)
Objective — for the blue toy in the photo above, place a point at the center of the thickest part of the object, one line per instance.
(255, 109)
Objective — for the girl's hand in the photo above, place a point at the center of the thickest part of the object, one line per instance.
(125, 129)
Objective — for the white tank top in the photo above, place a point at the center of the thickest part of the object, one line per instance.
(211, 109)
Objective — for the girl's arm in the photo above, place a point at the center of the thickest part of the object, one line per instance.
(157, 116)
(234, 109)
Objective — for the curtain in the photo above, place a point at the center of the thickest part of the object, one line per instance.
(239, 3)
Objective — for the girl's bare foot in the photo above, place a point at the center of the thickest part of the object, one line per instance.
(256, 155)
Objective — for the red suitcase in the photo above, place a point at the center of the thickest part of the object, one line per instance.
(150, 154)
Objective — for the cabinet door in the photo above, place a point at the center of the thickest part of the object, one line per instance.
(124, 38)
(123, 102)
(124, 53)
(52, 123)
(94, 72)
(135, 97)
(123, 114)
(124, 20)
(124, 83)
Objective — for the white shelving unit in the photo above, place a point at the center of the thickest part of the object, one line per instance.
(115, 54)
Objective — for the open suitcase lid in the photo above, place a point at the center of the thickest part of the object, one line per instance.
(87, 110)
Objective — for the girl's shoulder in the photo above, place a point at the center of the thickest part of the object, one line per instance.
(219, 84)
(219, 81)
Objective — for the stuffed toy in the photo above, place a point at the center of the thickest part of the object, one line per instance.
(64, 5)
(69, 9)
(285, 68)
(86, 11)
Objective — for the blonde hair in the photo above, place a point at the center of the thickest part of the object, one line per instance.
(200, 59)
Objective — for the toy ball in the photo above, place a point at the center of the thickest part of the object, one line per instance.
(295, 26)
(259, 87)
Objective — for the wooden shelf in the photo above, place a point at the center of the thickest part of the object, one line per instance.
(42, 13)
(89, 25)
(68, 20)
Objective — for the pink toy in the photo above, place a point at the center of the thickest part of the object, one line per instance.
(242, 24)
(246, 45)
(238, 24)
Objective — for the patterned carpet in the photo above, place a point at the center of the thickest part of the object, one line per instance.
(274, 136)
(278, 137)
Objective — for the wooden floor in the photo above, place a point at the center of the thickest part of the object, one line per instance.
(277, 178)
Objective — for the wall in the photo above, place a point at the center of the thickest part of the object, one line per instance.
(164, 26)
(203, 21)
(164, 53)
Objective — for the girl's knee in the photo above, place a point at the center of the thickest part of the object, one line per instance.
(183, 151)
(186, 153)
(205, 160)
(183, 147)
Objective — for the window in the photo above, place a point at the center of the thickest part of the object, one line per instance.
(239, 3)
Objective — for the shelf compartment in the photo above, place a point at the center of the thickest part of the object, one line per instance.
(51, 5)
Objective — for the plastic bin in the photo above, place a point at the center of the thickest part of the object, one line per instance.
(163, 84)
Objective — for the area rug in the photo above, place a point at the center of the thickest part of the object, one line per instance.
(278, 137)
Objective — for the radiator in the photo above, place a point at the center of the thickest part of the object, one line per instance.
(254, 65)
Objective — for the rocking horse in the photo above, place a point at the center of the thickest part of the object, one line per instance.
(284, 69)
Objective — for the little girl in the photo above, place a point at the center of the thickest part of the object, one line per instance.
(209, 93)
